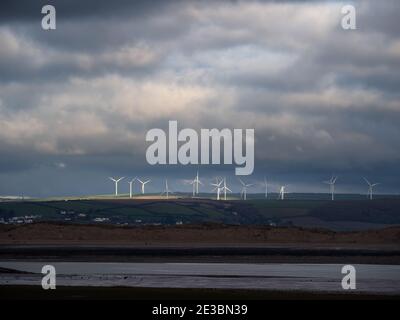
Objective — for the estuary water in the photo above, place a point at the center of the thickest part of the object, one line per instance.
(384, 279)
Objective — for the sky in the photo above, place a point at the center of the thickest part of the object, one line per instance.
(76, 102)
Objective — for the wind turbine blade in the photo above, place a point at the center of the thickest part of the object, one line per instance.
(218, 184)
(367, 181)
(243, 184)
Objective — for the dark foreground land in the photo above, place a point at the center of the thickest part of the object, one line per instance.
(197, 243)
(201, 234)
(124, 293)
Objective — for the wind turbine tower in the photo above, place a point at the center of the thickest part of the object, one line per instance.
(116, 180)
(282, 193)
(217, 186)
(225, 188)
(370, 188)
(166, 190)
(195, 182)
(244, 189)
(266, 188)
(143, 184)
(130, 187)
(331, 183)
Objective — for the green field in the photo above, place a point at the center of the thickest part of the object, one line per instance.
(255, 211)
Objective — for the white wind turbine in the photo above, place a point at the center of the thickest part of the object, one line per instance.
(370, 187)
(266, 188)
(130, 187)
(282, 193)
(166, 190)
(195, 182)
(217, 186)
(225, 188)
(243, 193)
(116, 180)
(143, 184)
(331, 183)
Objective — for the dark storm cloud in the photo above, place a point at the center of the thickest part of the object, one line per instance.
(76, 102)
(23, 10)
(74, 9)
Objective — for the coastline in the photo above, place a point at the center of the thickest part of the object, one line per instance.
(14, 292)
(294, 253)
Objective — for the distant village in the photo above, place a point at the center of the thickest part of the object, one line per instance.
(73, 216)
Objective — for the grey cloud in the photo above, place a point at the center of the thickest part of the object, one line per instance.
(322, 100)
(23, 10)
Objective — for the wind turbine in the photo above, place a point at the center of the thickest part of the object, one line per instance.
(282, 193)
(244, 189)
(370, 188)
(266, 188)
(166, 190)
(331, 183)
(130, 187)
(195, 184)
(116, 180)
(143, 184)
(217, 186)
(225, 188)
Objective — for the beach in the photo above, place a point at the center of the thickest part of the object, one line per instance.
(256, 262)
